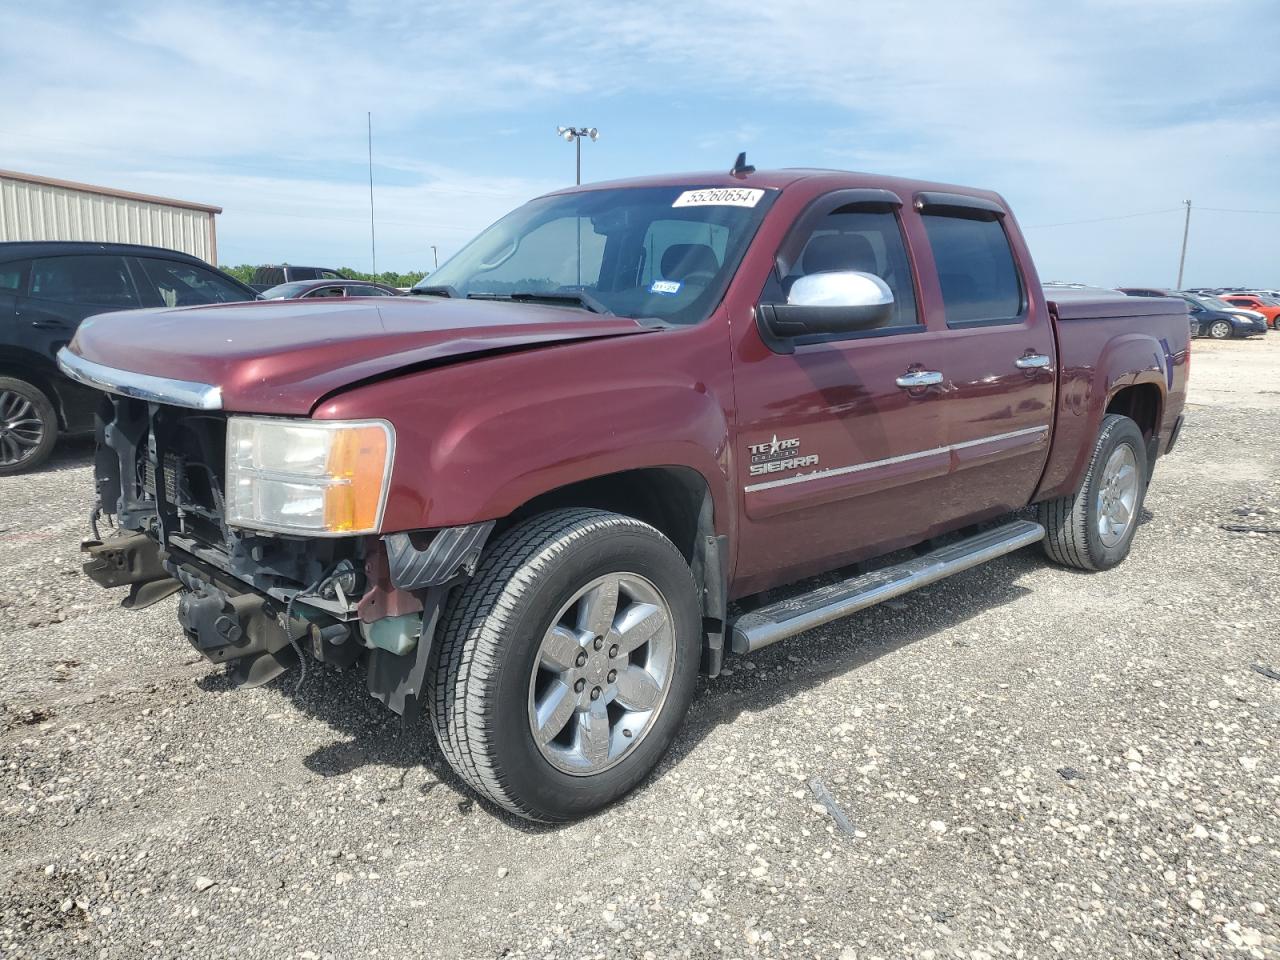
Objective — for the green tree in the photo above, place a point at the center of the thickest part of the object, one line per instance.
(244, 273)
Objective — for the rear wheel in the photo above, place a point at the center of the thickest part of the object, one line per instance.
(567, 663)
(1093, 528)
(28, 426)
(1220, 330)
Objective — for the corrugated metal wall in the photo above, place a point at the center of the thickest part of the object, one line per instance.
(35, 211)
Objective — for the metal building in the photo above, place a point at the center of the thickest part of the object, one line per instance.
(41, 208)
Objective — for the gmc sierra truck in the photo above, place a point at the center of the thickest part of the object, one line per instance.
(630, 428)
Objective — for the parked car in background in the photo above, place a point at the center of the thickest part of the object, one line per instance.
(1266, 306)
(323, 289)
(46, 290)
(1209, 317)
(272, 276)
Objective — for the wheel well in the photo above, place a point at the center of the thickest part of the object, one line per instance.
(677, 502)
(670, 499)
(1140, 403)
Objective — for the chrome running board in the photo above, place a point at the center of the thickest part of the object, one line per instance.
(783, 619)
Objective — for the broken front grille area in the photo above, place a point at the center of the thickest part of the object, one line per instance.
(161, 471)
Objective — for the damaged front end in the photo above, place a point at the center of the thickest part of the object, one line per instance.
(187, 491)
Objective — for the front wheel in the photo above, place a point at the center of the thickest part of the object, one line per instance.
(1220, 330)
(567, 663)
(1093, 528)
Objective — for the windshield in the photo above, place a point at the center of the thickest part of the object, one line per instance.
(285, 290)
(1216, 304)
(641, 252)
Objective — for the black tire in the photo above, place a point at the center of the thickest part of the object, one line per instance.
(1071, 523)
(488, 645)
(1220, 330)
(17, 451)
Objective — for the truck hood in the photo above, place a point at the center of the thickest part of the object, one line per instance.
(284, 356)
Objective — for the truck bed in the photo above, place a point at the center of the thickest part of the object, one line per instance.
(1107, 341)
(1096, 304)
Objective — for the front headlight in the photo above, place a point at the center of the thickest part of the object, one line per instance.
(319, 477)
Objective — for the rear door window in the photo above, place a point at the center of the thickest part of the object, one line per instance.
(100, 281)
(179, 284)
(980, 283)
(11, 275)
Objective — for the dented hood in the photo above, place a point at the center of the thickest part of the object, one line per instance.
(284, 356)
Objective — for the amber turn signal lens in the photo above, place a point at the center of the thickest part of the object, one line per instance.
(357, 464)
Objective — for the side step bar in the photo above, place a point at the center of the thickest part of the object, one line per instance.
(783, 619)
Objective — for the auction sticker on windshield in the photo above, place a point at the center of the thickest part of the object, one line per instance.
(719, 197)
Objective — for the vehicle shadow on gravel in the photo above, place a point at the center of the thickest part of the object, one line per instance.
(813, 658)
(71, 453)
(373, 736)
(370, 735)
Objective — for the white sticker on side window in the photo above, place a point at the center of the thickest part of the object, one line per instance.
(719, 197)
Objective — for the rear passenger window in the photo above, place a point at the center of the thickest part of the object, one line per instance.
(11, 276)
(868, 241)
(975, 265)
(99, 281)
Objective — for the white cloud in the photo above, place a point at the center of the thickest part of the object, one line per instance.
(1072, 110)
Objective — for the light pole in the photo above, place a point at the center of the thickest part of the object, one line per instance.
(435, 257)
(574, 135)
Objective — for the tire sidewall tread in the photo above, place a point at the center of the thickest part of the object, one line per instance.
(1071, 532)
(491, 632)
(45, 408)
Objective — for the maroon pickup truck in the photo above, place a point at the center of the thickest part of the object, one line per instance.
(629, 428)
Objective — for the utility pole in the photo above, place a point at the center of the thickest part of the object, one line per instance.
(373, 236)
(435, 258)
(1186, 229)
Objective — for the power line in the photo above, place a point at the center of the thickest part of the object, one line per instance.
(1269, 213)
(1127, 216)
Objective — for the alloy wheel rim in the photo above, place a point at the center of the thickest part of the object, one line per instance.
(602, 674)
(21, 429)
(1117, 495)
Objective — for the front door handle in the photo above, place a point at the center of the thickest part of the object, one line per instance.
(919, 378)
(1032, 361)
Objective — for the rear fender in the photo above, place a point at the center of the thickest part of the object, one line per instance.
(1125, 361)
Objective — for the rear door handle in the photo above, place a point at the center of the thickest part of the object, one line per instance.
(1032, 361)
(919, 378)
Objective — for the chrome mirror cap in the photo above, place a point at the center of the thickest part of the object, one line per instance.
(840, 288)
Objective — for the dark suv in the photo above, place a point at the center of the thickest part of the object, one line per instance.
(46, 290)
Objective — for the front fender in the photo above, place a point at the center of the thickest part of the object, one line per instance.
(476, 440)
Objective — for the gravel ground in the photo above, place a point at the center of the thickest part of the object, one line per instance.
(1032, 763)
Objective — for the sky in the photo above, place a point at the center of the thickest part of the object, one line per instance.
(1112, 113)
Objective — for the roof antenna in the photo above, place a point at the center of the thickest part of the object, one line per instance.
(740, 166)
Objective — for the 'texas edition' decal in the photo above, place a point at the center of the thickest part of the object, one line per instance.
(778, 455)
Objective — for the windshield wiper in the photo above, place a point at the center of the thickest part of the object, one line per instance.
(578, 297)
(437, 291)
